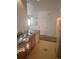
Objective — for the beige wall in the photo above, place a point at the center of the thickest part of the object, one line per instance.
(47, 22)
(46, 11)
(21, 16)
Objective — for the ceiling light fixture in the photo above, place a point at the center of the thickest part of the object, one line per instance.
(38, 0)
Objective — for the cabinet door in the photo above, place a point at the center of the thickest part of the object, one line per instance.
(21, 55)
(58, 32)
(33, 40)
(37, 37)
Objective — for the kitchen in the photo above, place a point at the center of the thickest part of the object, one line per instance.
(36, 18)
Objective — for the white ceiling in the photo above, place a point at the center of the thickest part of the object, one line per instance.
(46, 4)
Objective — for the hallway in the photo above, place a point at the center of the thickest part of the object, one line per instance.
(43, 50)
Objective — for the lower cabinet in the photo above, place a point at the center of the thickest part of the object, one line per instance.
(26, 47)
(21, 55)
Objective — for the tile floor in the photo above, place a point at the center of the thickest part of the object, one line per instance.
(43, 50)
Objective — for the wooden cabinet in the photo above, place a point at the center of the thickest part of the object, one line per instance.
(25, 47)
(21, 55)
(58, 48)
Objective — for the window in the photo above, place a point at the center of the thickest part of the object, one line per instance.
(29, 20)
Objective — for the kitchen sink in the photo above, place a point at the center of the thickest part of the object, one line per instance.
(23, 36)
